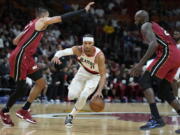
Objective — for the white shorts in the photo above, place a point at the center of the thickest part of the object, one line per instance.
(83, 82)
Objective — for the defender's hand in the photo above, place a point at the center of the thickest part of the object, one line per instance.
(56, 60)
(136, 70)
(89, 6)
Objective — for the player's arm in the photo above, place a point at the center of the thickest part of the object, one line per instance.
(102, 72)
(150, 38)
(44, 22)
(66, 52)
(17, 39)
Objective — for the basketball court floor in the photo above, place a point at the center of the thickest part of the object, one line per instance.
(117, 119)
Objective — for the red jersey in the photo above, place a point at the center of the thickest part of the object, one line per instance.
(166, 42)
(21, 61)
(29, 41)
(166, 63)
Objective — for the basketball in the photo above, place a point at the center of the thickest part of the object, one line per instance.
(97, 104)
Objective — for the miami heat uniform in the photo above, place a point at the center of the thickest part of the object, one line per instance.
(167, 60)
(21, 59)
(87, 78)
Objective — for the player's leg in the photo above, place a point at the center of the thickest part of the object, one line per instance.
(18, 93)
(146, 84)
(167, 90)
(40, 84)
(89, 88)
(74, 90)
(18, 72)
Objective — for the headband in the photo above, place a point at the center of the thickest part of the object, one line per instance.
(89, 39)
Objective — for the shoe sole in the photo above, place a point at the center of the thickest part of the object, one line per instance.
(68, 125)
(21, 117)
(152, 128)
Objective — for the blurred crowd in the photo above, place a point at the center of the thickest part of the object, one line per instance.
(111, 23)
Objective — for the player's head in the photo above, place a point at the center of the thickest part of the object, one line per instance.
(88, 42)
(141, 17)
(42, 12)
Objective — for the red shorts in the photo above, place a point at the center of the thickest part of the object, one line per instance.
(164, 68)
(21, 67)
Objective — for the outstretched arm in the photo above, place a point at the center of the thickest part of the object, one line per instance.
(44, 22)
(66, 52)
(150, 38)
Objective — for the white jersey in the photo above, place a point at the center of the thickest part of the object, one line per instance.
(88, 62)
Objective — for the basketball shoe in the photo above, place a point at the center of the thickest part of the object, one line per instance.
(26, 115)
(6, 119)
(68, 121)
(177, 131)
(153, 123)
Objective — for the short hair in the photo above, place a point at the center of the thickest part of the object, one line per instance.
(40, 11)
(88, 35)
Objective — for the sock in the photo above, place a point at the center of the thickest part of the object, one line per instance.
(26, 106)
(154, 111)
(5, 109)
(74, 111)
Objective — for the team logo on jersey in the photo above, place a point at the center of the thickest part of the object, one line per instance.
(92, 65)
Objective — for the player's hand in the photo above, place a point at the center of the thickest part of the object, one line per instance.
(97, 94)
(56, 60)
(136, 70)
(88, 6)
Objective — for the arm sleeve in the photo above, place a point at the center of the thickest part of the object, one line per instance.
(67, 16)
(65, 52)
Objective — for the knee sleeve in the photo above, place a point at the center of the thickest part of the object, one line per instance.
(20, 88)
(165, 91)
(20, 92)
(146, 81)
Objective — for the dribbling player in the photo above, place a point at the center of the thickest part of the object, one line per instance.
(162, 69)
(91, 74)
(22, 63)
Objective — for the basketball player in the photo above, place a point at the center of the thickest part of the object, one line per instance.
(92, 73)
(22, 63)
(162, 69)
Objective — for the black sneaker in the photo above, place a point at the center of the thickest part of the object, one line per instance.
(153, 123)
(177, 131)
(68, 121)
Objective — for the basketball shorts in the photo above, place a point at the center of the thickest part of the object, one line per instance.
(83, 81)
(163, 69)
(24, 67)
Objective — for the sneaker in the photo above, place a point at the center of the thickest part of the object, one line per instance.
(68, 121)
(26, 115)
(177, 131)
(6, 119)
(153, 123)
